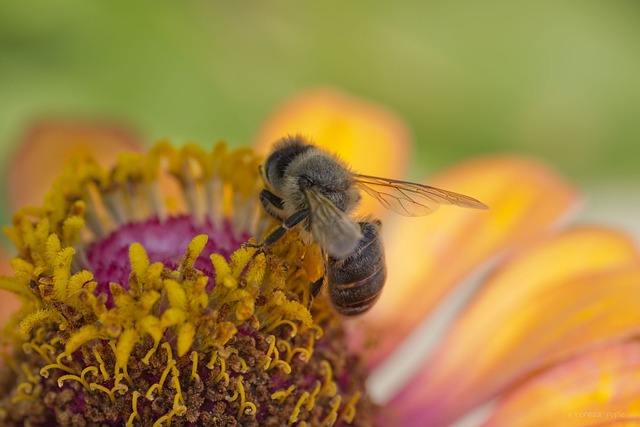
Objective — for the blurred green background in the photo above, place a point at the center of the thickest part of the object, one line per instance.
(557, 79)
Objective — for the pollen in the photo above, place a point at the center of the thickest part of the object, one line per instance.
(143, 307)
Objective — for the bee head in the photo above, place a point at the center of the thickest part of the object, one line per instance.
(281, 156)
(304, 182)
(326, 174)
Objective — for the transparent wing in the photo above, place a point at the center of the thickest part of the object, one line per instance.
(334, 231)
(411, 199)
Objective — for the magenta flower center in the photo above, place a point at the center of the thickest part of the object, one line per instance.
(165, 242)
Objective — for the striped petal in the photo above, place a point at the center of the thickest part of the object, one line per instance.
(427, 257)
(47, 147)
(598, 388)
(577, 290)
(371, 138)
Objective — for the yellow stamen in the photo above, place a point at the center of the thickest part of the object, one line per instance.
(58, 365)
(27, 373)
(294, 328)
(333, 415)
(134, 409)
(314, 394)
(64, 378)
(88, 369)
(282, 395)
(272, 350)
(329, 387)
(296, 410)
(305, 354)
(178, 398)
(28, 347)
(178, 409)
(317, 329)
(127, 340)
(151, 352)
(103, 369)
(161, 420)
(102, 388)
(186, 334)
(139, 260)
(82, 336)
(212, 361)
(348, 413)
(194, 366)
(33, 320)
(24, 391)
(234, 396)
(284, 366)
(193, 252)
(222, 375)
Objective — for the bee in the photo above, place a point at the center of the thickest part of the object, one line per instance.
(309, 187)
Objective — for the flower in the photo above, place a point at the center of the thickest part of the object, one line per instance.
(547, 310)
(141, 306)
(549, 316)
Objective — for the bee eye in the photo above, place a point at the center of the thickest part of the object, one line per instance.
(304, 182)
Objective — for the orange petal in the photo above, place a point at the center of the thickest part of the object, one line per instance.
(576, 290)
(427, 257)
(9, 303)
(600, 387)
(5, 267)
(40, 158)
(373, 139)
(625, 421)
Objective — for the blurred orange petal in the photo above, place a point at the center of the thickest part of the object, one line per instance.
(625, 421)
(371, 138)
(40, 158)
(5, 267)
(8, 301)
(601, 388)
(427, 257)
(576, 290)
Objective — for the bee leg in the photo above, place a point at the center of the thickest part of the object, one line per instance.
(288, 223)
(272, 204)
(316, 286)
(276, 234)
(315, 289)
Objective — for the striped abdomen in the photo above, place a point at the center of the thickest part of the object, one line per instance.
(355, 283)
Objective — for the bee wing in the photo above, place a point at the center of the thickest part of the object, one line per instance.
(411, 199)
(334, 231)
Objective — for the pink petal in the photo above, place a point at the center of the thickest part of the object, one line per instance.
(40, 158)
(600, 388)
(577, 290)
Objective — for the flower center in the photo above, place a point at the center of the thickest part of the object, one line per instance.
(143, 308)
(164, 241)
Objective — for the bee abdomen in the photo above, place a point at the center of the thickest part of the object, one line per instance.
(357, 297)
(356, 282)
